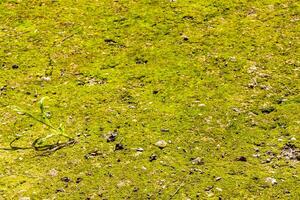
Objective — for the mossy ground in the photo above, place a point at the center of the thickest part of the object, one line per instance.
(219, 80)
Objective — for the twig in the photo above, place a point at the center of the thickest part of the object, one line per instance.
(64, 39)
(53, 148)
(180, 186)
(177, 190)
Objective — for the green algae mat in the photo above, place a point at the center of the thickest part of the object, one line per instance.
(149, 99)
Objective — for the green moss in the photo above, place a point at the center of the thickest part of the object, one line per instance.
(218, 79)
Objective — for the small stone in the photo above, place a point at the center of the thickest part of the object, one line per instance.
(197, 161)
(161, 144)
(139, 149)
(153, 157)
(267, 110)
(271, 180)
(293, 139)
(66, 179)
(111, 136)
(218, 178)
(53, 172)
(164, 130)
(46, 78)
(209, 188)
(119, 146)
(286, 191)
(15, 66)
(78, 180)
(242, 159)
(268, 160)
(60, 190)
(185, 38)
(219, 189)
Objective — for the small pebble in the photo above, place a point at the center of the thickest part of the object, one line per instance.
(78, 180)
(53, 172)
(271, 180)
(139, 149)
(185, 38)
(60, 190)
(16, 67)
(46, 78)
(111, 136)
(66, 179)
(242, 159)
(161, 144)
(119, 146)
(153, 157)
(256, 155)
(197, 161)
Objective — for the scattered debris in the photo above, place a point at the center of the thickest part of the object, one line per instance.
(197, 161)
(290, 152)
(91, 80)
(209, 188)
(94, 154)
(267, 110)
(66, 179)
(111, 136)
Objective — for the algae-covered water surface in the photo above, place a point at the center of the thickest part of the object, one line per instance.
(149, 99)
